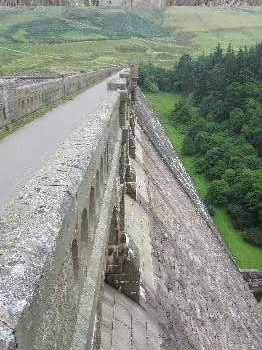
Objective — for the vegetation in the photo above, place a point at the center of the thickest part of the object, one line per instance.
(72, 39)
(245, 254)
(225, 136)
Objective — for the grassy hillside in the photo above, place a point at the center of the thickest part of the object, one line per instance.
(73, 38)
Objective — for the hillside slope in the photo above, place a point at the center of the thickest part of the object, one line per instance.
(72, 38)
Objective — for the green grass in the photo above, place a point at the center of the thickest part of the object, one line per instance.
(246, 255)
(60, 39)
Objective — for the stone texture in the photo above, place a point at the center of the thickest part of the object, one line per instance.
(132, 326)
(153, 129)
(50, 277)
(56, 237)
(20, 96)
(201, 299)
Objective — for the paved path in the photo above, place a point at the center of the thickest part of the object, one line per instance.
(24, 151)
(125, 325)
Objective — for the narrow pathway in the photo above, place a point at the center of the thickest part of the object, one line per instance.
(24, 151)
(125, 325)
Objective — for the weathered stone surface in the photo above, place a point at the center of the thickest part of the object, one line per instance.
(20, 96)
(132, 326)
(74, 223)
(152, 127)
(190, 286)
(201, 299)
(50, 274)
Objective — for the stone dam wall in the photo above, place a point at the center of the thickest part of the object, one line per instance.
(54, 235)
(201, 298)
(114, 206)
(154, 130)
(20, 97)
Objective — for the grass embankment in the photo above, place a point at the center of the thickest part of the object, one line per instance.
(247, 256)
(71, 39)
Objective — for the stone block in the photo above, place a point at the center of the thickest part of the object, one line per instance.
(132, 146)
(121, 338)
(123, 314)
(139, 338)
(106, 337)
(107, 315)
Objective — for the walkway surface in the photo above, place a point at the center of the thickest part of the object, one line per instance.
(125, 325)
(24, 151)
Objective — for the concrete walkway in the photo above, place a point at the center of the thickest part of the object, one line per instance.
(125, 325)
(24, 151)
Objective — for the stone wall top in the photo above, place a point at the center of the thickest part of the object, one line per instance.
(21, 96)
(32, 222)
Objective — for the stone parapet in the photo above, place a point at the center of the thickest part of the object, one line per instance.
(53, 238)
(20, 97)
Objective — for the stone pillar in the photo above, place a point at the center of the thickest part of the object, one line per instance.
(130, 282)
(134, 79)
(124, 155)
(123, 109)
(122, 267)
(131, 181)
(132, 145)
